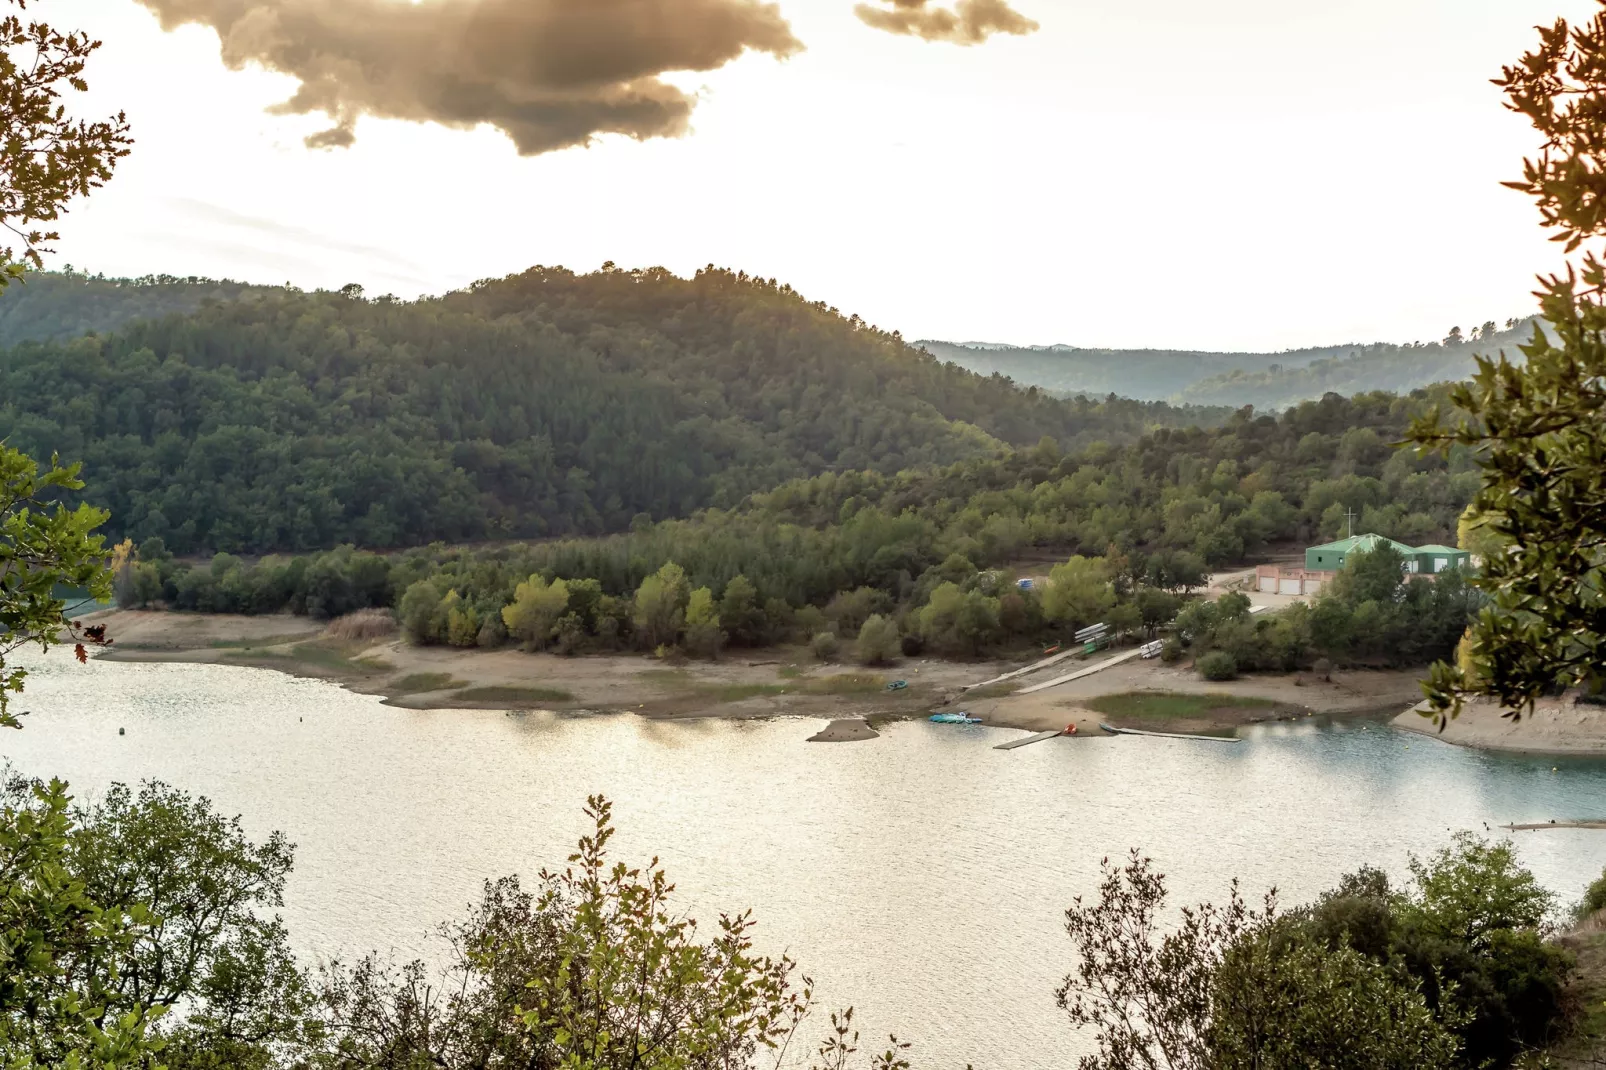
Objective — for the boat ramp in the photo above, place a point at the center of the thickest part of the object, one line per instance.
(1035, 737)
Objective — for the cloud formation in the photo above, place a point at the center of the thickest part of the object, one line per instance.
(551, 74)
(970, 22)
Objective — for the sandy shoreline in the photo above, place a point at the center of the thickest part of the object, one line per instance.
(747, 683)
(789, 682)
(779, 682)
(1555, 727)
(1291, 696)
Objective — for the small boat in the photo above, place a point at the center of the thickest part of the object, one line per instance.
(954, 718)
(1055, 649)
(897, 685)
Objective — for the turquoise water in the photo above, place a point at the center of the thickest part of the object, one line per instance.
(921, 876)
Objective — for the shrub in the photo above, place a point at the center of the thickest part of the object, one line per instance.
(1171, 651)
(850, 609)
(878, 641)
(704, 638)
(959, 622)
(493, 633)
(824, 645)
(363, 625)
(913, 646)
(1218, 665)
(569, 634)
(535, 608)
(1594, 899)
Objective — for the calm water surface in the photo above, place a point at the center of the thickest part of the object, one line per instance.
(920, 876)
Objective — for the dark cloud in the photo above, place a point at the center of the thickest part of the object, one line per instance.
(549, 73)
(970, 22)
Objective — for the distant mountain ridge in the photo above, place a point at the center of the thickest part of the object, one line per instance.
(57, 306)
(1269, 381)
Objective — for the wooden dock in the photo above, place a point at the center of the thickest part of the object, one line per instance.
(1112, 730)
(1035, 737)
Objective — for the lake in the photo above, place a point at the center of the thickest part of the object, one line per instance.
(921, 876)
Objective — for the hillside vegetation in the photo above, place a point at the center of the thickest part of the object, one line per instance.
(919, 552)
(52, 306)
(1268, 381)
(544, 404)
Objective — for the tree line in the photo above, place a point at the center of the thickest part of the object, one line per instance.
(55, 306)
(1149, 519)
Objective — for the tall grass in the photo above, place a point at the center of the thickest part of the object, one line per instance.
(362, 626)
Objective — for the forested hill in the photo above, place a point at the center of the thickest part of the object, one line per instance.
(57, 305)
(1268, 381)
(1355, 370)
(546, 403)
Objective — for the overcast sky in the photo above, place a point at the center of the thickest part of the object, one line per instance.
(1170, 173)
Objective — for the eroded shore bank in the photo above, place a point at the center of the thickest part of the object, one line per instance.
(1559, 726)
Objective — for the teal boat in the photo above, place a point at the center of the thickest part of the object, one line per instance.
(897, 685)
(954, 718)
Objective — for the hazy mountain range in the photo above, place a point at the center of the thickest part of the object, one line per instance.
(1265, 380)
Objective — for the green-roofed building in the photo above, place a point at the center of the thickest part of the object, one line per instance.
(1435, 558)
(1323, 562)
(1330, 556)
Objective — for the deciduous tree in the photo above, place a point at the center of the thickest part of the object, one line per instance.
(537, 605)
(878, 641)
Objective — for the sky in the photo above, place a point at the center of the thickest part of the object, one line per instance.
(1240, 174)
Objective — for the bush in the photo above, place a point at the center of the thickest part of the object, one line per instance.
(569, 634)
(1171, 651)
(363, 625)
(1594, 899)
(878, 641)
(1453, 971)
(825, 646)
(493, 633)
(1218, 665)
(913, 646)
(850, 609)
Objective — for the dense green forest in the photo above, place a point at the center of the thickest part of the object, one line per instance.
(1139, 525)
(51, 306)
(703, 461)
(1268, 381)
(543, 404)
